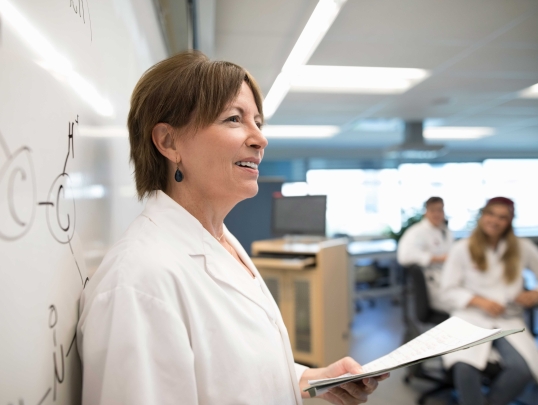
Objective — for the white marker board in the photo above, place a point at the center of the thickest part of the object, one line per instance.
(67, 69)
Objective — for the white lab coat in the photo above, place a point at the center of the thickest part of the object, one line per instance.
(170, 317)
(418, 245)
(461, 281)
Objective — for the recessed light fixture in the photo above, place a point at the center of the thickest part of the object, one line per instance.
(530, 92)
(315, 29)
(461, 133)
(354, 79)
(300, 131)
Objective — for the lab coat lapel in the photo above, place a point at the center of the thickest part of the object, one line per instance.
(223, 267)
(248, 262)
(188, 235)
(275, 311)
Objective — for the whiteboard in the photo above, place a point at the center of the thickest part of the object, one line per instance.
(67, 69)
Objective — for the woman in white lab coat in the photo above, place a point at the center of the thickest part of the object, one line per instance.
(482, 283)
(177, 313)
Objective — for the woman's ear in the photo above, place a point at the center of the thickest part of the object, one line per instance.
(164, 140)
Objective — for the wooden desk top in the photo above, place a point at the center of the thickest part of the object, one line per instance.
(287, 246)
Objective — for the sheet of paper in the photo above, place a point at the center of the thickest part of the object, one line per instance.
(451, 335)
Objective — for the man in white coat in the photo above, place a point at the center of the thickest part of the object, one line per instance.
(426, 244)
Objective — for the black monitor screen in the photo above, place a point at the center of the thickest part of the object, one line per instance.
(303, 215)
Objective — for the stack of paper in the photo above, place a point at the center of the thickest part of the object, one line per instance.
(452, 335)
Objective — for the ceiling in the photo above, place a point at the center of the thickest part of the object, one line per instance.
(481, 53)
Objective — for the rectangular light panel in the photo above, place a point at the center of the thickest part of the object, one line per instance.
(300, 131)
(461, 133)
(355, 79)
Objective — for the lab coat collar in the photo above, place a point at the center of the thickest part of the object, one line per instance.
(189, 236)
(426, 222)
(177, 222)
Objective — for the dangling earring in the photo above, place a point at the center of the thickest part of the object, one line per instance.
(178, 176)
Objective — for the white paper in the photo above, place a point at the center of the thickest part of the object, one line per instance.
(451, 335)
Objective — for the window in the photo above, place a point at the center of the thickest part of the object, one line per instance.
(370, 202)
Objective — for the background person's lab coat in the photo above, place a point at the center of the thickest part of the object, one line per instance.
(170, 317)
(461, 281)
(418, 245)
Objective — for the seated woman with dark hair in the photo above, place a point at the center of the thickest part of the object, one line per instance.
(177, 313)
(482, 283)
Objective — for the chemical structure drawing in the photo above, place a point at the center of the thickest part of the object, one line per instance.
(18, 192)
(58, 359)
(60, 204)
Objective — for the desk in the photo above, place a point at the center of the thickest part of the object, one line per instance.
(381, 249)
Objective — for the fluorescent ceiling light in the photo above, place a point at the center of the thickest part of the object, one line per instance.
(414, 154)
(315, 29)
(278, 91)
(530, 92)
(462, 133)
(300, 131)
(52, 60)
(378, 125)
(354, 79)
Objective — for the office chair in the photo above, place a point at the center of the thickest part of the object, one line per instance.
(427, 316)
(422, 316)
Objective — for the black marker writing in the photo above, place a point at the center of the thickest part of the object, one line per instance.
(60, 206)
(59, 366)
(18, 192)
(80, 9)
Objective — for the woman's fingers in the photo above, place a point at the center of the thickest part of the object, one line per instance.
(382, 377)
(361, 388)
(354, 392)
(359, 396)
(332, 398)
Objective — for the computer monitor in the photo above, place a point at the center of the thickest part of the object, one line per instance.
(304, 215)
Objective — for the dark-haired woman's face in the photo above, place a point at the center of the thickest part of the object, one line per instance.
(221, 161)
(495, 220)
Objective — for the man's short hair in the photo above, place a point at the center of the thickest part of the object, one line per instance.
(433, 200)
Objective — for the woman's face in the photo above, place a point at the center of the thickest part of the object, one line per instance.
(221, 161)
(495, 220)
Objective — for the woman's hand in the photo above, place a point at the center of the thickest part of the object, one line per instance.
(438, 259)
(490, 307)
(527, 299)
(346, 394)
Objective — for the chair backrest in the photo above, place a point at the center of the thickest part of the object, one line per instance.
(423, 310)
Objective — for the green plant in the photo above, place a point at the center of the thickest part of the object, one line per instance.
(410, 219)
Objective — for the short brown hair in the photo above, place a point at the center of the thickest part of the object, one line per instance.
(433, 200)
(186, 89)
